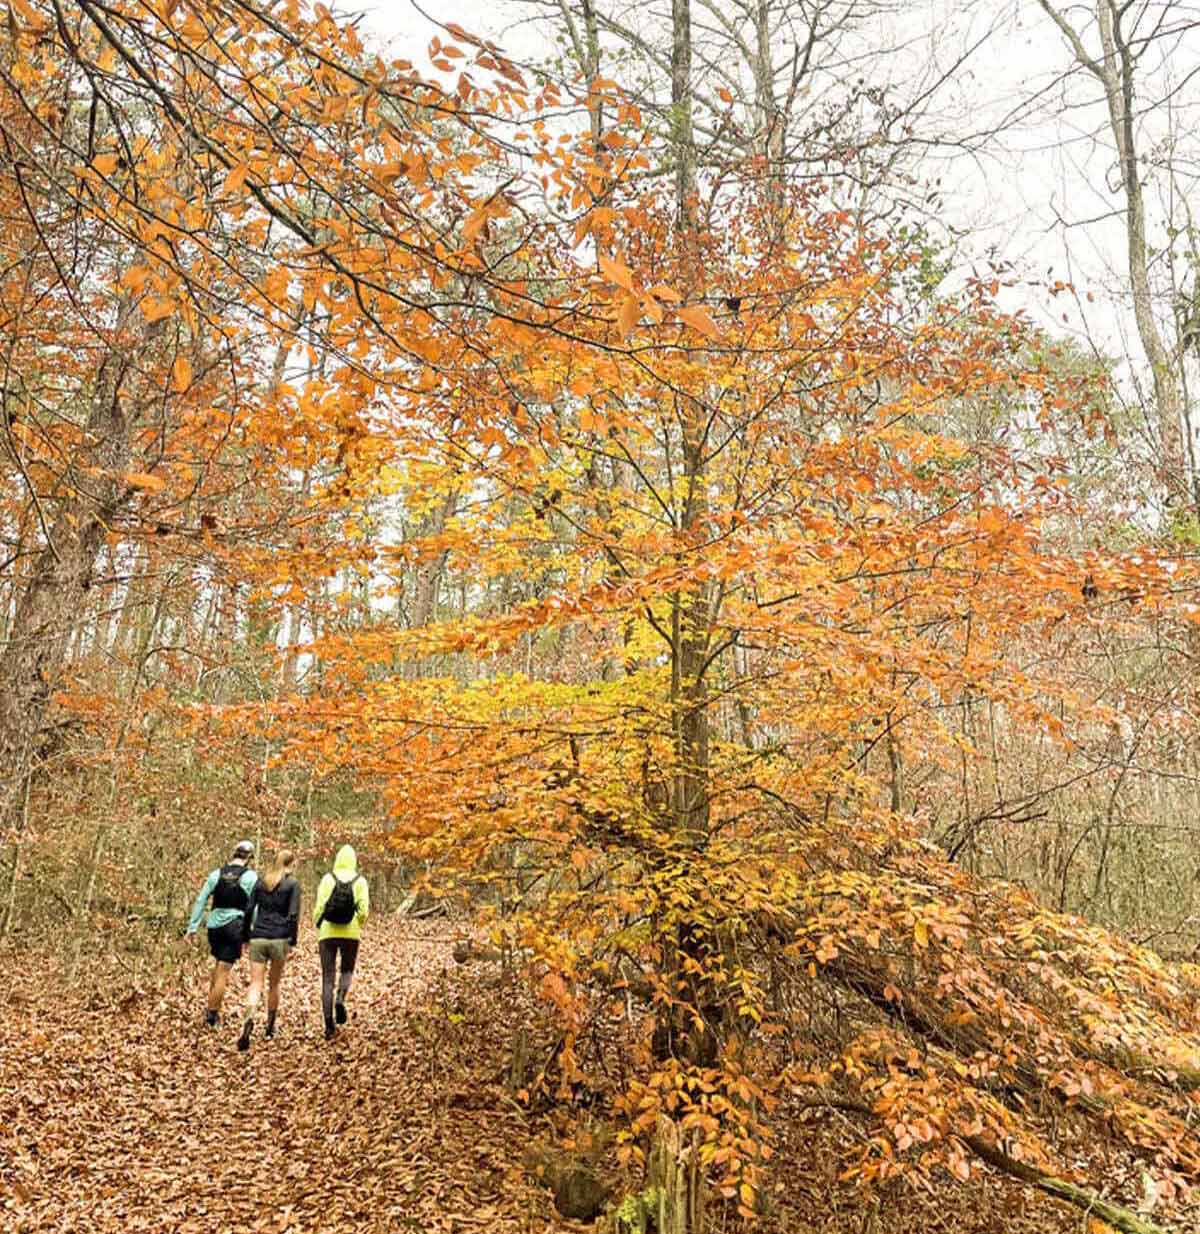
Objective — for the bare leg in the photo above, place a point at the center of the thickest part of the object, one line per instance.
(277, 967)
(217, 983)
(258, 974)
(276, 982)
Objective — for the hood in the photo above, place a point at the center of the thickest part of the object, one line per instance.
(345, 864)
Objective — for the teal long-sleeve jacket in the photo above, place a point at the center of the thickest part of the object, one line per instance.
(218, 917)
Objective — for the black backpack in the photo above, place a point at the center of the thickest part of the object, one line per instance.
(229, 892)
(340, 907)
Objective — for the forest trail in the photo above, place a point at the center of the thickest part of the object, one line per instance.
(134, 1116)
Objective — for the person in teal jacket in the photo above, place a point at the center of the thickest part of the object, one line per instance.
(229, 886)
(339, 912)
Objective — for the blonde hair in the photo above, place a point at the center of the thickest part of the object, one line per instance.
(284, 860)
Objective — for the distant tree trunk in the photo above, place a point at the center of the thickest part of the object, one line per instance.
(429, 571)
(1115, 71)
(770, 118)
(896, 766)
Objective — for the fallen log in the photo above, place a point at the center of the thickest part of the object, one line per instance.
(1120, 1218)
(1123, 1219)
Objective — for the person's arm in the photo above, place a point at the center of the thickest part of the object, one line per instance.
(209, 887)
(324, 887)
(248, 915)
(294, 914)
(362, 900)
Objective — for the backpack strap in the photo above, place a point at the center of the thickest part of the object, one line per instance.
(332, 889)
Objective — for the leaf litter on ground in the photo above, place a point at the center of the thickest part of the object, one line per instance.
(125, 1113)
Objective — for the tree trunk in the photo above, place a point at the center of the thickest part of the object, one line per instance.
(429, 572)
(1115, 73)
(770, 135)
(50, 601)
(673, 1199)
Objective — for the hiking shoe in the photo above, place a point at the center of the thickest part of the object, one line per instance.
(270, 1029)
(244, 1039)
(211, 1019)
(329, 1030)
(340, 1013)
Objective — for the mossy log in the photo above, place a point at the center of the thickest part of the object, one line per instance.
(1118, 1217)
(1123, 1219)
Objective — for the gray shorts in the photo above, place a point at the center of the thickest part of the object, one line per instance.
(269, 950)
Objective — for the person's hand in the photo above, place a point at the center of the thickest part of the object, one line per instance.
(189, 939)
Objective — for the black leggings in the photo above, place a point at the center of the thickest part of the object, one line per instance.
(330, 949)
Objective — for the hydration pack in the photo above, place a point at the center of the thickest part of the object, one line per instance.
(340, 907)
(229, 892)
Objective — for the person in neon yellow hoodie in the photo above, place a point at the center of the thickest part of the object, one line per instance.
(338, 938)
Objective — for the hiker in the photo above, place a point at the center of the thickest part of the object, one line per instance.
(229, 886)
(342, 905)
(271, 926)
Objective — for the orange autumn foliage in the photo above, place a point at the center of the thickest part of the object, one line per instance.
(718, 480)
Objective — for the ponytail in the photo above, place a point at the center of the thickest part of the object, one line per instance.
(284, 860)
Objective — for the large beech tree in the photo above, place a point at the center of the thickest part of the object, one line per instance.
(742, 513)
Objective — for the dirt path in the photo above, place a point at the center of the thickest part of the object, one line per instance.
(140, 1118)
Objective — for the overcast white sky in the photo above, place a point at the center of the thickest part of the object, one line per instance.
(1048, 171)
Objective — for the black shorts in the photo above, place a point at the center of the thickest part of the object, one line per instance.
(225, 942)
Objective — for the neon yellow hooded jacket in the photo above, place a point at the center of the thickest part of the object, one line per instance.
(345, 867)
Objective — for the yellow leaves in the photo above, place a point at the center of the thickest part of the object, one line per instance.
(105, 164)
(235, 180)
(134, 279)
(181, 373)
(25, 11)
(155, 308)
(993, 520)
(697, 316)
(921, 933)
(616, 271)
(629, 314)
(144, 480)
(590, 422)
(335, 107)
